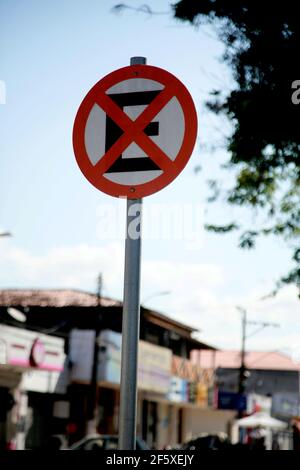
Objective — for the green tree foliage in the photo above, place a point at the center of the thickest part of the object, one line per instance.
(262, 44)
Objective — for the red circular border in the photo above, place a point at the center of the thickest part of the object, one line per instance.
(189, 139)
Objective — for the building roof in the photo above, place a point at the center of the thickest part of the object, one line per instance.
(160, 319)
(198, 344)
(262, 360)
(52, 298)
(184, 330)
(58, 298)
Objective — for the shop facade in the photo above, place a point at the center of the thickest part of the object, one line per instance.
(168, 386)
(32, 398)
(164, 392)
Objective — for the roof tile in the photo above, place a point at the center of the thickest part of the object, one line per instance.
(263, 360)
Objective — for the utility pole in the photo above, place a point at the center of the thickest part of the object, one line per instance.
(99, 289)
(243, 352)
(92, 405)
(243, 369)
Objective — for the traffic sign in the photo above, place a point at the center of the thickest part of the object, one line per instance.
(135, 131)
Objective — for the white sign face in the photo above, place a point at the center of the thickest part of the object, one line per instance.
(166, 129)
(135, 131)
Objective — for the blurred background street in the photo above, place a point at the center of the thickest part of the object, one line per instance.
(218, 346)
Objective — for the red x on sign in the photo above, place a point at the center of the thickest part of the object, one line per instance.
(134, 132)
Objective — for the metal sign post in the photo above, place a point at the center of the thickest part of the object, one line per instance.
(133, 134)
(130, 332)
(131, 319)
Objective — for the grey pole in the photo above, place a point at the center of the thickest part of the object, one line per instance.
(131, 319)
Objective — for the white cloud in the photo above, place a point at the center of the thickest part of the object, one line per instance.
(70, 266)
(196, 291)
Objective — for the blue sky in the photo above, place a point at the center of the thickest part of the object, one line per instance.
(52, 53)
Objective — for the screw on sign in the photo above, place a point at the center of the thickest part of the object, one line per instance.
(135, 131)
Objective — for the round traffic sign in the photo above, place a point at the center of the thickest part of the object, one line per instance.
(135, 131)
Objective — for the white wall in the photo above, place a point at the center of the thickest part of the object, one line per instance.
(40, 381)
(211, 421)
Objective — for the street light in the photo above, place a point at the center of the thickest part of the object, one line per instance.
(22, 318)
(16, 314)
(156, 294)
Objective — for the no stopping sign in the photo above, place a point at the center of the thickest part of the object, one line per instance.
(135, 131)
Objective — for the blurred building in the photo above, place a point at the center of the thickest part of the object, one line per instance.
(30, 366)
(272, 375)
(80, 330)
